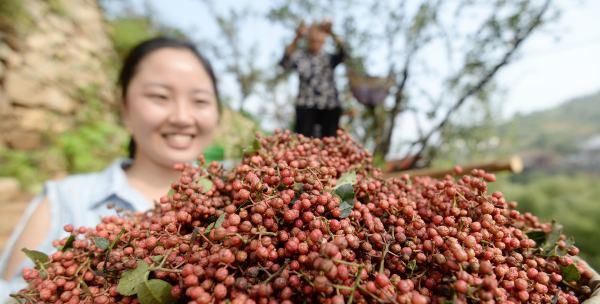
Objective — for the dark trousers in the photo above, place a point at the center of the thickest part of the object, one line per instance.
(313, 122)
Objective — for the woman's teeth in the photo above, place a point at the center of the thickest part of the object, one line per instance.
(178, 141)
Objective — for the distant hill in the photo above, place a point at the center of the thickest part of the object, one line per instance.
(561, 129)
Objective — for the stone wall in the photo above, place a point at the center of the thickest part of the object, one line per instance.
(43, 70)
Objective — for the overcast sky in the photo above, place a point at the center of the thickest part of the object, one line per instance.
(551, 71)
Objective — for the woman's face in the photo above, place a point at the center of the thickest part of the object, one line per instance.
(171, 107)
(316, 39)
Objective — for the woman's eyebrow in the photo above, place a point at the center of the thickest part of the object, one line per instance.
(203, 91)
(156, 84)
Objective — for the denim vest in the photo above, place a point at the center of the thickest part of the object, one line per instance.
(80, 200)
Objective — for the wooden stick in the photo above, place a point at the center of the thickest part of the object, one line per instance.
(513, 164)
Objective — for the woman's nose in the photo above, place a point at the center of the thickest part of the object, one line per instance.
(181, 113)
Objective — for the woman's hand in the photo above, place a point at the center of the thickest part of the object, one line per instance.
(301, 30)
(327, 26)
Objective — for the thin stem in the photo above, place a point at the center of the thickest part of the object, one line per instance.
(162, 262)
(346, 263)
(385, 251)
(355, 284)
(275, 273)
(166, 269)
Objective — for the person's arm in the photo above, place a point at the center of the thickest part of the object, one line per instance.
(340, 54)
(36, 230)
(292, 47)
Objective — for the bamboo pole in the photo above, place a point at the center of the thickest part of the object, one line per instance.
(513, 165)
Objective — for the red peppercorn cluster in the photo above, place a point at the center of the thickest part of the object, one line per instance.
(278, 229)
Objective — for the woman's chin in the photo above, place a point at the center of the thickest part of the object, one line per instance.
(182, 156)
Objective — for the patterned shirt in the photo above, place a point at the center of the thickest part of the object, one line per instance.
(317, 85)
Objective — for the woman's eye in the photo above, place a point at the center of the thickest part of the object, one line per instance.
(158, 97)
(201, 101)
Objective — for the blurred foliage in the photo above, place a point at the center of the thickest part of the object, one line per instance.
(126, 32)
(14, 17)
(25, 166)
(471, 140)
(96, 141)
(571, 199)
(236, 132)
(57, 7)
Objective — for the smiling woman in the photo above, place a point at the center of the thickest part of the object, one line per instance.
(170, 105)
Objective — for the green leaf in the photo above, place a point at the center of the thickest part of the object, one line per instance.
(37, 257)
(346, 178)
(220, 220)
(205, 184)
(412, 265)
(101, 242)
(209, 228)
(157, 258)
(133, 277)
(538, 236)
(553, 237)
(112, 245)
(298, 187)
(171, 192)
(255, 145)
(570, 273)
(214, 153)
(253, 148)
(345, 192)
(194, 236)
(344, 188)
(68, 244)
(154, 292)
(346, 209)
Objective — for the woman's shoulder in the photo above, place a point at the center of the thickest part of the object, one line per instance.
(88, 187)
(96, 179)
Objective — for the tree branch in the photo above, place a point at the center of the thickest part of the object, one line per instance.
(398, 101)
(519, 39)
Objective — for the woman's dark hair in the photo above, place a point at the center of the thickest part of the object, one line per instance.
(145, 48)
